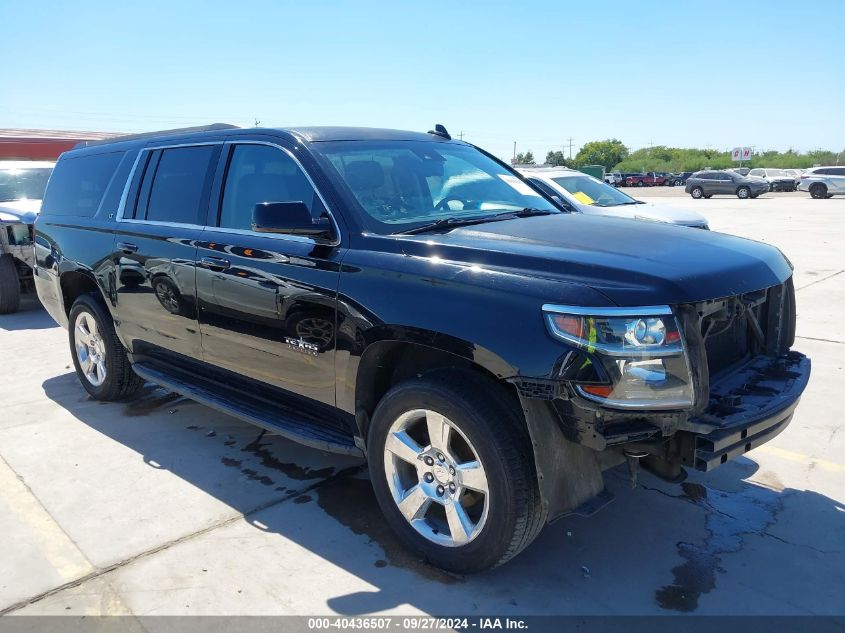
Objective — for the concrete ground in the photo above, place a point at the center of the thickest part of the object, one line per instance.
(163, 506)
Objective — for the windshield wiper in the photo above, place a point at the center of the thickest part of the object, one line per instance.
(527, 212)
(454, 222)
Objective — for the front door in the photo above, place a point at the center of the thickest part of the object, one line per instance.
(155, 249)
(267, 302)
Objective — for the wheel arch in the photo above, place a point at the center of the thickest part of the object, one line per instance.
(74, 282)
(401, 353)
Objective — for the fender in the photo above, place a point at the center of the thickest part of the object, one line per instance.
(362, 355)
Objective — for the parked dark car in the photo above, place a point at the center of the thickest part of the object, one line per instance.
(410, 299)
(681, 178)
(704, 184)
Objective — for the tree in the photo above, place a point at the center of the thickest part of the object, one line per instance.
(525, 159)
(608, 153)
(557, 159)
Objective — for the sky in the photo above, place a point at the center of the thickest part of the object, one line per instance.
(685, 74)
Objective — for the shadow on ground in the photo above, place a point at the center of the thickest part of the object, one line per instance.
(30, 316)
(658, 548)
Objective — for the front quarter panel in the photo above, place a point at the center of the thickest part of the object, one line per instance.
(490, 316)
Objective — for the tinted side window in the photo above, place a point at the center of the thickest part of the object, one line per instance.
(837, 171)
(78, 184)
(261, 173)
(180, 180)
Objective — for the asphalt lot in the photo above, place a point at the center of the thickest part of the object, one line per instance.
(163, 506)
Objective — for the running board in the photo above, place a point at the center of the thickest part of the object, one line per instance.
(248, 408)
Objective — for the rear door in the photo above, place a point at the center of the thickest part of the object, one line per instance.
(708, 183)
(267, 302)
(155, 249)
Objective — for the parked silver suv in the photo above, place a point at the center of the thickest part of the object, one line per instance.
(823, 182)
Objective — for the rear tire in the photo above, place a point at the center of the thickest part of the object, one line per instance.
(818, 191)
(10, 285)
(697, 193)
(482, 419)
(98, 355)
(743, 193)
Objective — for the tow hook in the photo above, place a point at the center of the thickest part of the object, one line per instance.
(633, 458)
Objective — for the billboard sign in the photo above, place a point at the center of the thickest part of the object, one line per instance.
(739, 154)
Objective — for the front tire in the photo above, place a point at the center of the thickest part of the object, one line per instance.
(818, 191)
(697, 193)
(743, 193)
(98, 356)
(453, 471)
(10, 285)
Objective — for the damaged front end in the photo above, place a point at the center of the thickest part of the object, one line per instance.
(669, 388)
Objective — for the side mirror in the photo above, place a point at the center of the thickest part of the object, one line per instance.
(290, 218)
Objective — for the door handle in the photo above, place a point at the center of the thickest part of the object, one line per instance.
(215, 263)
(126, 247)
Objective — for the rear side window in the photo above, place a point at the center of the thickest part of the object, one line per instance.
(175, 184)
(831, 171)
(78, 184)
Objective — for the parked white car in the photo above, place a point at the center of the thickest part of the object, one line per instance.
(823, 182)
(589, 195)
(778, 179)
(22, 185)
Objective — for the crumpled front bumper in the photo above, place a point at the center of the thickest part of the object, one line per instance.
(750, 407)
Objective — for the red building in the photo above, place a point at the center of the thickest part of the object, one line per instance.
(43, 144)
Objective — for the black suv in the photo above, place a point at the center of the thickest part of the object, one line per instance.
(410, 299)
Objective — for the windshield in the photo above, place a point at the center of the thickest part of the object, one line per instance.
(591, 191)
(403, 184)
(775, 172)
(23, 184)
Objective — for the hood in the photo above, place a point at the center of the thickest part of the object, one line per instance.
(631, 262)
(650, 211)
(19, 211)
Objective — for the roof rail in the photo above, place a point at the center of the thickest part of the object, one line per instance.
(182, 130)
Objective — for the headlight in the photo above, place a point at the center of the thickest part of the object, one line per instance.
(637, 355)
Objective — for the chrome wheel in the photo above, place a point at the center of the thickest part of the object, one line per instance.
(90, 348)
(436, 478)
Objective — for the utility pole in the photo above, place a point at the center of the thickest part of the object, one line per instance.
(461, 135)
(514, 152)
(570, 147)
